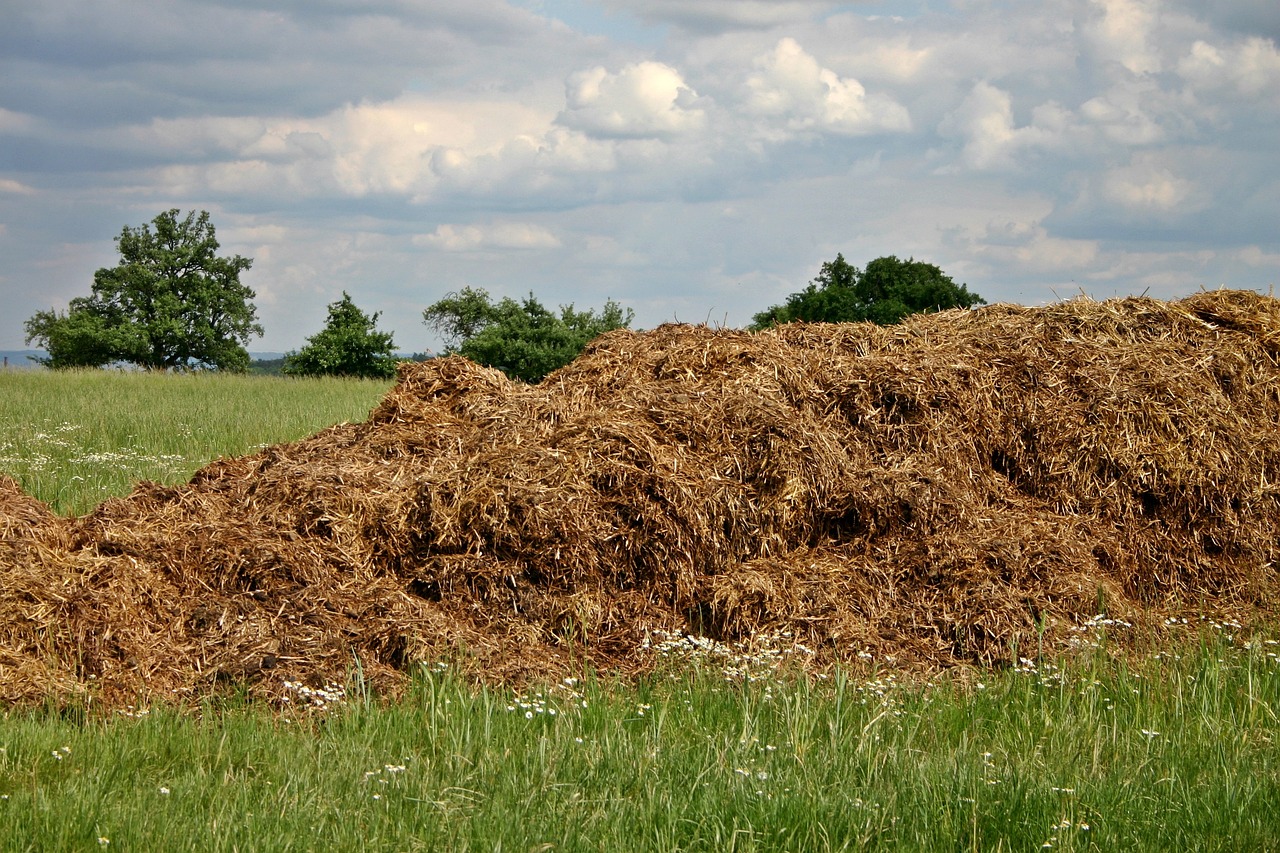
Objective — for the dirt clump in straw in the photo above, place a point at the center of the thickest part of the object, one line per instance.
(948, 491)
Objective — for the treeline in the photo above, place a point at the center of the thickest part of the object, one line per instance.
(172, 303)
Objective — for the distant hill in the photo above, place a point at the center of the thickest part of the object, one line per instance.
(272, 364)
(268, 363)
(23, 358)
(20, 359)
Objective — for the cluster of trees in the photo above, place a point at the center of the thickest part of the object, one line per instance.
(886, 292)
(172, 303)
(522, 338)
(348, 345)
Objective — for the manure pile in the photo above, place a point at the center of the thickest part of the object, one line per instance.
(940, 492)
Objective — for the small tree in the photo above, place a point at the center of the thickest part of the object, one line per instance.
(80, 338)
(171, 302)
(523, 339)
(348, 345)
(886, 292)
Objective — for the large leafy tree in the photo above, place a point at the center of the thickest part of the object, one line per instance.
(521, 338)
(348, 345)
(170, 303)
(888, 290)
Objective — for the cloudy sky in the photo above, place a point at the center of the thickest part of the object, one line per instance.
(696, 160)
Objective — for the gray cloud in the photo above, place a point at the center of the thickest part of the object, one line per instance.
(715, 16)
(1241, 17)
(93, 63)
(399, 149)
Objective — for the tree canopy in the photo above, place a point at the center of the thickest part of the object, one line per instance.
(521, 338)
(170, 303)
(348, 345)
(888, 290)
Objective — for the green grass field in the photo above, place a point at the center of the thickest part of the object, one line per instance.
(74, 439)
(1174, 751)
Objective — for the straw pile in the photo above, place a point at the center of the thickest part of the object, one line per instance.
(940, 492)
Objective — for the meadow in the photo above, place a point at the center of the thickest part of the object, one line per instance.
(721, 748)
(75, 438)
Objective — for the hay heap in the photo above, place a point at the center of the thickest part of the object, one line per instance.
(936, 491)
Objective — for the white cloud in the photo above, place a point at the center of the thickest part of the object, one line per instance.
(1164, 274)
(1255, 256)
(717, 15)
(646, 99)
(7, 185)
(390, 148)
(1205, 64)
(894, 59)
(790, 85)
(500, 235)
(550, 164)
(984, 121)
(188, 138)
(1147, 186)
(285, 145)
(1124, 114)
(403, 147)
(1028, 246)
(1014, 243)
(12, 122)
(1251, 67)
(1121, 31)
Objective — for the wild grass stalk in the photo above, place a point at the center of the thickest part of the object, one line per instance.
(1170, 753)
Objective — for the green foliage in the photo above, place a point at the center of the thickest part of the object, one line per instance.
(81, 338)
(523, 339)
(267, 367)
(887, 291)
(463, 315)
(171, 303)
(348, 345)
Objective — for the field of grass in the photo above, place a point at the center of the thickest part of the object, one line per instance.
(1175, 751)
(1171, 755)
(74, 439)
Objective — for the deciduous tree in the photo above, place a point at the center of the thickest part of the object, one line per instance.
(170, 303)
(522, 338)
(887, 291)
(348, 345)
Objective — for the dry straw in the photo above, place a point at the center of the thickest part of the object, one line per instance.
(945, 491)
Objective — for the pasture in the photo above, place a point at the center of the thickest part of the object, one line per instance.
(74, 439)
(1176, 752)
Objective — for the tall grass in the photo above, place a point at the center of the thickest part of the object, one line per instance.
(74, 439)
(1167, 755)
